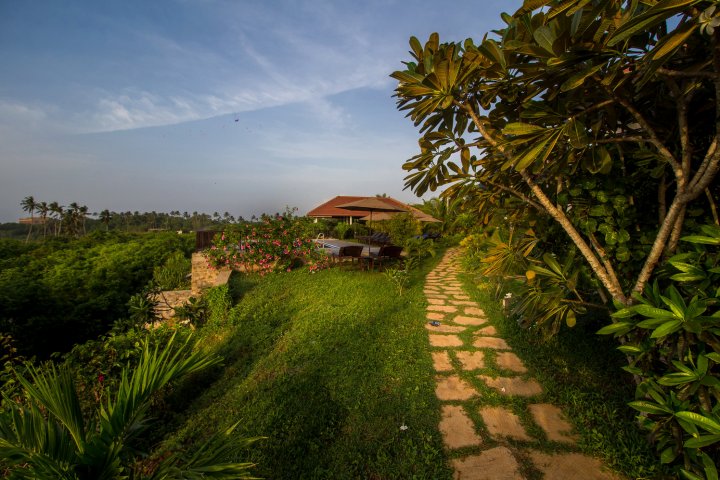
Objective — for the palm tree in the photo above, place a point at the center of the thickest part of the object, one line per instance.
(83, 216)
(105, 218)
(43, 209)
(72, 219)
(29, 205)
(57, 210)
(45, 435)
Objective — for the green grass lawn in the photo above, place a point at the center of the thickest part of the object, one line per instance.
(327, 366)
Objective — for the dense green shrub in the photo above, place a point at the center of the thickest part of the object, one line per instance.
(273, 245)
(61, 292)
(173, 274)
(400, 227)
(46, 434)
(672, 338)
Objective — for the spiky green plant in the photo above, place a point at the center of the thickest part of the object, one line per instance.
(45, 435)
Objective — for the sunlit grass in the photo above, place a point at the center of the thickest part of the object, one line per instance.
(329, 367)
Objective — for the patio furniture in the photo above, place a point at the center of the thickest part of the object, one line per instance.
(352, 252)
(386, 253)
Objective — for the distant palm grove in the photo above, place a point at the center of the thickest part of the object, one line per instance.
(50, 219)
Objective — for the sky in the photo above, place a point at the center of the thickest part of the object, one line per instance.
(210, 105)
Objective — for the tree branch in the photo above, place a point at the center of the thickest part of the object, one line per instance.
(516, 193)
(604, 258)
(684, 74)
(614, 288)
(605, 277)
(654, 139)
(592, 108)
(713, 207)
(621, 140)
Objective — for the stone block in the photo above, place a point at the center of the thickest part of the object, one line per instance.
(551, 419)
(570, 465)
(501, 422)
(457, 429)
(513, 385)
(453, 388)
(445, 341)
(441, 361)
(471, 360)
(495, 464)
(491, 342)
(510, 361)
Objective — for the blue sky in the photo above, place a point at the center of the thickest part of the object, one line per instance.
(203, 105)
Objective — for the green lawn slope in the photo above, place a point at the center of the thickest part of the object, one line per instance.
(333, 368)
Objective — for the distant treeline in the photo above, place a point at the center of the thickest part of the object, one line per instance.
(74, 220)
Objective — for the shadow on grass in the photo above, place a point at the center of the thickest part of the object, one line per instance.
(328, 367)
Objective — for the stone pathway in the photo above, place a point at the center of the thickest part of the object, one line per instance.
(484, 439)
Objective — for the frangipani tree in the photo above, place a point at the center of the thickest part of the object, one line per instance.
(618, 95)
(598, 122)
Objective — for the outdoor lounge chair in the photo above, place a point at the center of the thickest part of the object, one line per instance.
(386, 253)
(352, 252)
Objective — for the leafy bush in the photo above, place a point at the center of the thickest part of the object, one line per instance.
(47, 437)
(400, 227)
(275, 244)
(173, 274)
(61, 292)
(342, 229)
(672, 340)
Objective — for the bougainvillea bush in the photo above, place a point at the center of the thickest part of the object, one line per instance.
(275, 244)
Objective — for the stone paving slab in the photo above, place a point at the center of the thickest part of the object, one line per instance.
(435, 316)
(442, 328)
(445, 341)
(461, 297)
(464, 320)
(495, 464)
(570, 465)
(457, 429)
(436, 301)
(551, 419)
(462, 303)
(502, 422)
(474, 311)
(471, 360)
(510, 361)
(487, 331)
(491, 342)
(441, 361)
(454, 388)
(442, 308)
(513, 385)
(435, 295)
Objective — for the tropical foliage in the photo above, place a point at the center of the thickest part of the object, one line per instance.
(564, 97)
(277, 243)
(65, 291)
(45, 435)
(676, 324)
(585, 135)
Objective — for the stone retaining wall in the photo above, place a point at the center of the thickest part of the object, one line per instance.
(204, 277)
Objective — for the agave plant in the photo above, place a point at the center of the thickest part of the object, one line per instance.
(45, 435)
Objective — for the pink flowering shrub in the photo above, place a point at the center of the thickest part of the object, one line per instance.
(276, 244)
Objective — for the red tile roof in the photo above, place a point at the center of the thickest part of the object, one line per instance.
(329, 208)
